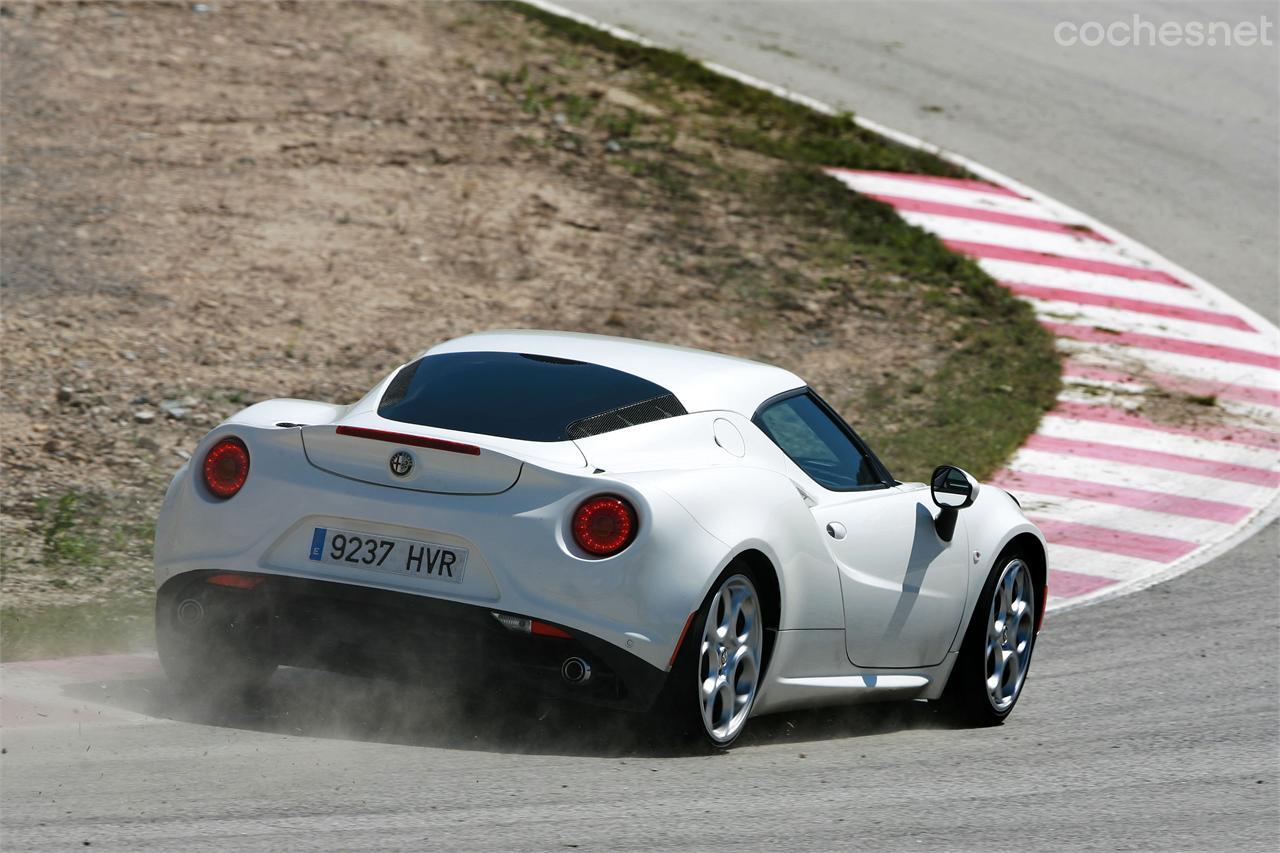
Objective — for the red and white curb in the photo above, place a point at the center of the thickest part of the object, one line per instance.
(1124, 499)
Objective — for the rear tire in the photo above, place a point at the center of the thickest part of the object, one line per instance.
(991, 670)
(207, 655)
(713, 686)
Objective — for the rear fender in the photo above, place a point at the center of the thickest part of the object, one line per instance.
(759, 509)
(275, 457)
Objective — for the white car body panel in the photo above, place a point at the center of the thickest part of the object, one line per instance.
(903, 606)
(707, 488)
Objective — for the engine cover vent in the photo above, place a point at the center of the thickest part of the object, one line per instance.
(646, 411)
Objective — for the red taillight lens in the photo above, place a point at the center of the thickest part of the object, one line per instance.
(235, 581)
(542, 629)
(226, 467)
(604, 525)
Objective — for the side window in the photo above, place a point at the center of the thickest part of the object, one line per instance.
(817, 444)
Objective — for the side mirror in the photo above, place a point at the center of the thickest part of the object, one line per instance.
(953, 490)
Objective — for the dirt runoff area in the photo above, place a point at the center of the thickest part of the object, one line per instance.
(208, 205)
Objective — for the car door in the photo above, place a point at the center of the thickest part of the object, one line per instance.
(903, 587)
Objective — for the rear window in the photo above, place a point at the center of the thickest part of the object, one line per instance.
(529, 397)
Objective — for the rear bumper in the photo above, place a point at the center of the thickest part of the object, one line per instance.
(377, 632)
(521, 557)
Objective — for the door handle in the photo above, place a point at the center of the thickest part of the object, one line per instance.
(836, 530)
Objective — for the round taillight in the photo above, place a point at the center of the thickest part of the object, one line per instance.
(604, 525)
(226, 467)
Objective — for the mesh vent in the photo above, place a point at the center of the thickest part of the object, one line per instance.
(646, 411)
(399, 386)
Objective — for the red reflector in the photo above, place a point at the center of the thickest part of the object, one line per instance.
(226, 467)
(680, 642)
(542, 629)
(604, 525)
(411, 440)
(236, 581)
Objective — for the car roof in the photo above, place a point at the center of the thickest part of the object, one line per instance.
(701, 380)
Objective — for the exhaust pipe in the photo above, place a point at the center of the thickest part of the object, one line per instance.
(190, 613)
(575, 671)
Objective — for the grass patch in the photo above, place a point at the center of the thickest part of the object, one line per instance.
(1000, 371)
(777, 127)
(81, 534)
(998, 379)
(114, 624)
(64, 521)
(665, 175)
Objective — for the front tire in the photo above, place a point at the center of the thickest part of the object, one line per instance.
(713, 686)
(989, 675)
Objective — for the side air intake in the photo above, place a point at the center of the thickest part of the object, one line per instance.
(646, 411)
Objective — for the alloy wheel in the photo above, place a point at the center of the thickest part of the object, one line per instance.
(729, 658)
(1010, 633)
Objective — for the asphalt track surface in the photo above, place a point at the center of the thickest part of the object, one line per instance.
(1149, 722)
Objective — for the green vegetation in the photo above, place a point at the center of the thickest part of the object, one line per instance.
(79, 534)
(1001, 371)
(80, 530)
(777, 127)
(117, 623)
(63, 540)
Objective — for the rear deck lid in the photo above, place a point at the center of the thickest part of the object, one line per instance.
(373, 450)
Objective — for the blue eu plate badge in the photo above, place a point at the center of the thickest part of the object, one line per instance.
(317, 542)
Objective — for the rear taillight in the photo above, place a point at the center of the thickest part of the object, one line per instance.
(226, 467)
(604, 525)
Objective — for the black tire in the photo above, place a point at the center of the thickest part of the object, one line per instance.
(680, 707)
(970, 697)
(209, 654)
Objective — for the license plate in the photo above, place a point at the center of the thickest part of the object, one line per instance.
(388, 554)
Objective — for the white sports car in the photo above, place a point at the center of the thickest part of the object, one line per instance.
(643, 526)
